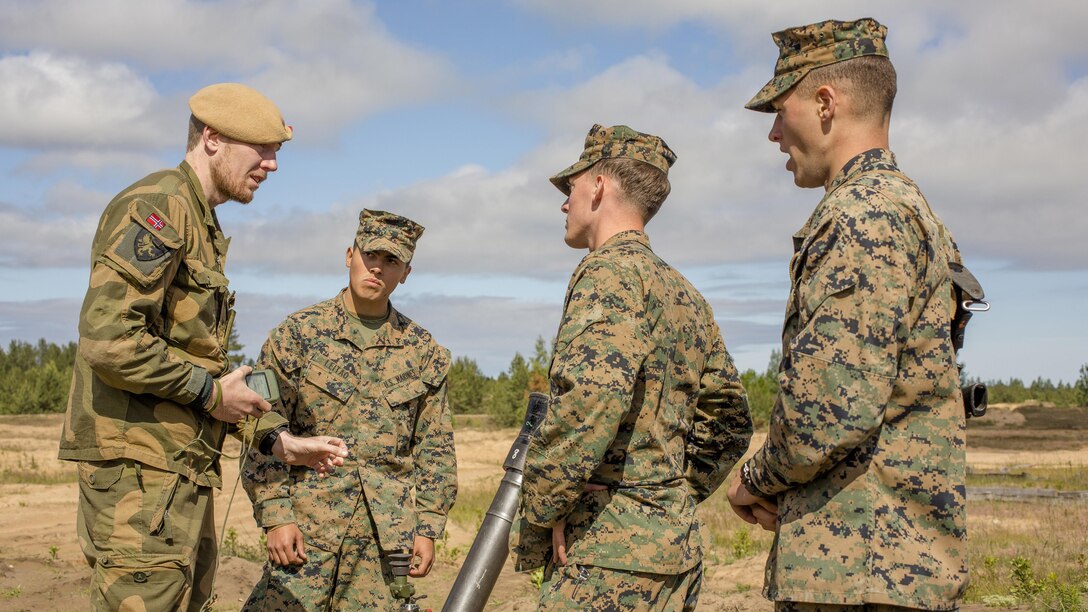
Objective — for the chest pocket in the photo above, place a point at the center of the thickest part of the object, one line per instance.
(405, 400)
(202, 329)
(324, 393)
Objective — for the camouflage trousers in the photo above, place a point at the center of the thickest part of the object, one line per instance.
(148, 534)
(587, 587)
(354, 577)
(801, 606)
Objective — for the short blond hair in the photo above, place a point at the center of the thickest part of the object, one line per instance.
(869, 81)
(196, 130)
(644, 185)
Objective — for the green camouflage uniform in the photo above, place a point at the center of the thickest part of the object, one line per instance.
(153, 328)
(646, 401)
(386, 399)
(865, 453)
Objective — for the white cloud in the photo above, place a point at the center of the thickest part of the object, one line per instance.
(39, 238)
(326, 63)
(50, 100)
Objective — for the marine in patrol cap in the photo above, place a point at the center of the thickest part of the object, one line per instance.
(240, 112)
(384, 231)
(803, 48)
(617, 141)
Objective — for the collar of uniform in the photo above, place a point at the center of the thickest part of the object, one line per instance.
(867, 161)
(198, 191)
(873, 159)
(390, 334)
(628, 236)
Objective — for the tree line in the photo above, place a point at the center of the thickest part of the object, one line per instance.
(35, 378)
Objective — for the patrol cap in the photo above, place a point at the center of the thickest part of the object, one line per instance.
(806, 47)
(617, 141)
(240, 112)
(384, 231)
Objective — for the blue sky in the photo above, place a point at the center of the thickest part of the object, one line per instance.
(455, 114)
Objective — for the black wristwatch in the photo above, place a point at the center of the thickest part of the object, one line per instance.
(269, 440)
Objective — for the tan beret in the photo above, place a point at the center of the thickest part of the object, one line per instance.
(240, 112)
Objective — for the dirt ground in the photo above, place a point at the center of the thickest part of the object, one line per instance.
(42, 568)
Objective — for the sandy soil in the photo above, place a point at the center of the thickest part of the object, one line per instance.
(42, 568)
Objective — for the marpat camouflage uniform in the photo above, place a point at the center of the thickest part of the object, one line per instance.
(865, 452)
(387, 400)
(646, 401)
(153, 328)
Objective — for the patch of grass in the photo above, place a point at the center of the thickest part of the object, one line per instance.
(445, 552)
(536, 578)
(25, 469)
(234, 547)
(1060, 478)
(726, 537)
(472, 504)
(1031, 552)
(12, 593)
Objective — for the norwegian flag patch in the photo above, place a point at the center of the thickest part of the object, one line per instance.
(156, 221)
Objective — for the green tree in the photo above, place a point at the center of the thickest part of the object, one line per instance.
(538, 367)
(510, 393)
(35, 378)
(1081, 386)
(234, 350)
(467, 386)
(762, 388)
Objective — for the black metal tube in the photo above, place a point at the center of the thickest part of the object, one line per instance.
(492, 544)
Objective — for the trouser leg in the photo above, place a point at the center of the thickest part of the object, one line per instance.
(140, 530)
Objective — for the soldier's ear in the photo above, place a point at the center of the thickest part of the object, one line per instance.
(407, 271)
(347, 256)
(211, 140)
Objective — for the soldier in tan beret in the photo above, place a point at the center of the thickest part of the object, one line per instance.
(355, 367)
(862, 473)
(647, 412)
(152, 392)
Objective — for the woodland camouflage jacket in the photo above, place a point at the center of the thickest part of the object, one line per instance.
(153, 327)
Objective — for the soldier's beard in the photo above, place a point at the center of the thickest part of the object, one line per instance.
(232, 186)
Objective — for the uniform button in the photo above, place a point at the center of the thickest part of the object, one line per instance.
(91, 479)
(140, 577)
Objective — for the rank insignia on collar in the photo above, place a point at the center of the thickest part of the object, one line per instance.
(156, 221)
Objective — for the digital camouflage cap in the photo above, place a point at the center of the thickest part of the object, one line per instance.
(806, 47)
(240, 112)
(617, 141)
(384, 231)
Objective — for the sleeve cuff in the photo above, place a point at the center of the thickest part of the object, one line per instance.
(431, 526)
(274, 512)
(758, 481)
(198, 389)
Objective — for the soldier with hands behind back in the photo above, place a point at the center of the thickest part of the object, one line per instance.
(647, 413)
(152, 397)
(357, 368)
(862, 473)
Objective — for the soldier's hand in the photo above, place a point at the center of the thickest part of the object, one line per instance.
(751, 508)
(285, 545)
(239, 401)
(423, 549)
(559, 543)
(322, 453)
